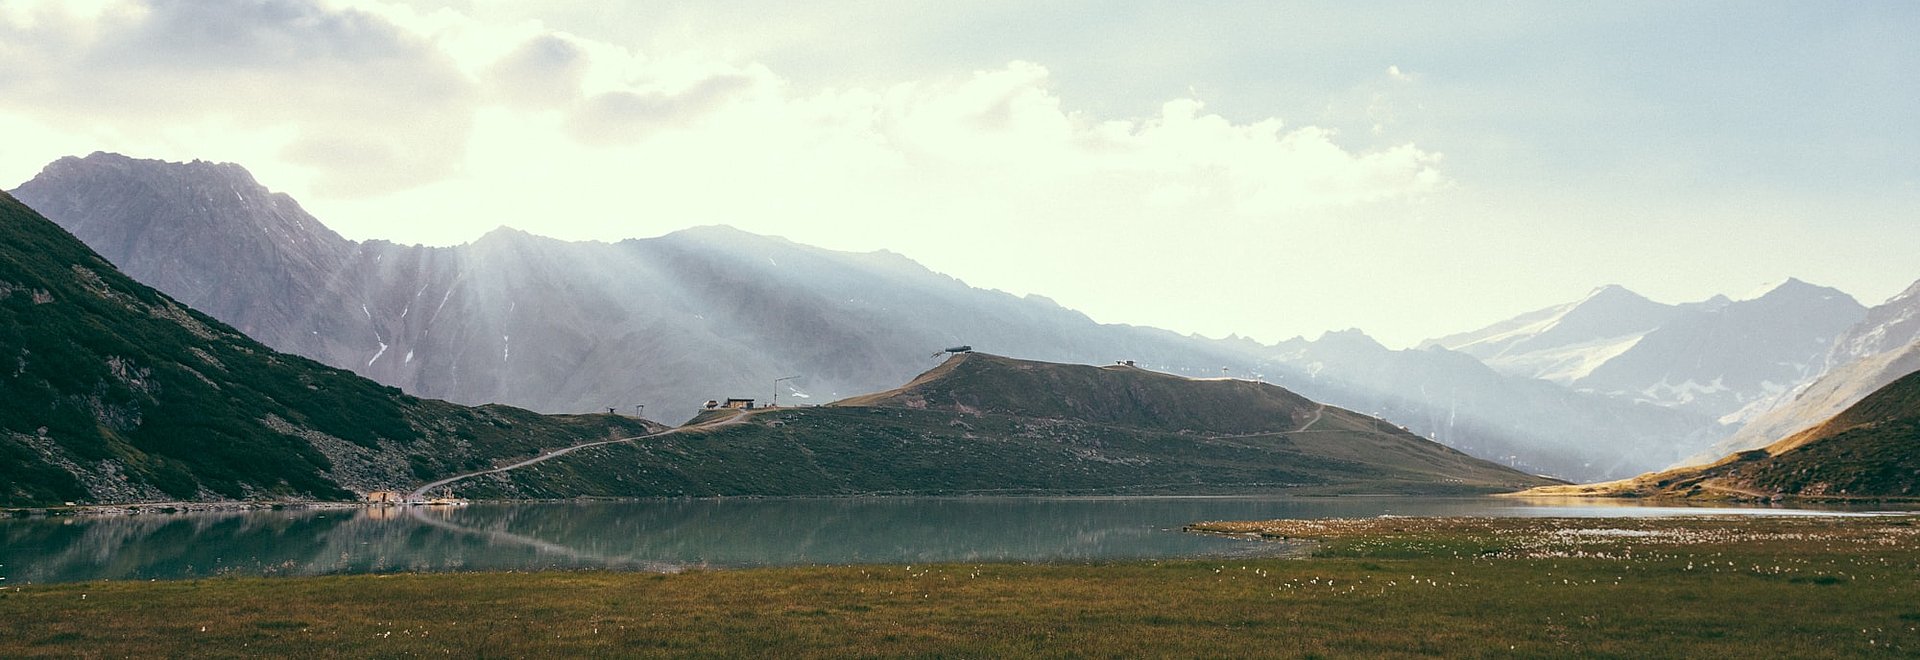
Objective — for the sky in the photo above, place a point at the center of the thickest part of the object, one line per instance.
(1264, 169)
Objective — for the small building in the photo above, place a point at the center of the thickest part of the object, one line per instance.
(738, 404)
(386, 497)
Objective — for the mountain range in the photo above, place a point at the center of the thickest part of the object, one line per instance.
(710, 312)
(1714, 357)
(1459, 401)
(113, 392)
(117, 393)
(1870, 450)
(1881, 348)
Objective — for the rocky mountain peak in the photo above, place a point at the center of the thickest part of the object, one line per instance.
(188, 227)
(1795, 288)
(1351, 339)
(106, 195)
(1887, 327)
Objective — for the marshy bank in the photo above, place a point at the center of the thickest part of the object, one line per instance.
(1789, 586)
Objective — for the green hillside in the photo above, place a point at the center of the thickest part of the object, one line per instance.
(1117, 395)
(987, 424)
(1868, 451)
(113, 392)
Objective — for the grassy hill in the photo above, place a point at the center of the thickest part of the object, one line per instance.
(113, 392)
(1869, 451)
(988, 424)
(1117, 395)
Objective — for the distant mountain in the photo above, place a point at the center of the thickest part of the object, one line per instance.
(712, 312)
(113, 392)
(552, 325)
(1455, 399)
(1713, 357)
(1565, 343)
(1874, 352)
(988, 424)
(1870, 450)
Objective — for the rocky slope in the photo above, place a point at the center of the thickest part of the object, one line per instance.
(1871, 450)
(988, 424)
(712, 312)
(1713, 357)
(113, 392)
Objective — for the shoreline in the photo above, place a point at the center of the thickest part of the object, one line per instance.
(170, 508)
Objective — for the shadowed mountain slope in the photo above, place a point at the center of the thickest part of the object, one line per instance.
(113, 392)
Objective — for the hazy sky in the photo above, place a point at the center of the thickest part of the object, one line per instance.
(1261, 168)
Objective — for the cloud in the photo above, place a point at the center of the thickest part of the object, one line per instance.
(1008, 121)
(393, 122)
(317, 79)
(623, 117)
(545, 71)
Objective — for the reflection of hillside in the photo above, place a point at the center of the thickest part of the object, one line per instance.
(138, 547)
(659, 535)
(442, 518)
(759, 532)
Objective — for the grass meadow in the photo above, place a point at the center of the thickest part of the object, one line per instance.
(1387, 587)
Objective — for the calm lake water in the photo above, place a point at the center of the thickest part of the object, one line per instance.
(677, 534)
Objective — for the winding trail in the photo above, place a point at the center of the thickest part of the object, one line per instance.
(730, 421)
(1318, 412)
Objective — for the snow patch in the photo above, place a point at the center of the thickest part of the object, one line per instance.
(443, 301)
(408, 359)
(506, 347)
(378, 353)
(1566, 364)
(1669, 393)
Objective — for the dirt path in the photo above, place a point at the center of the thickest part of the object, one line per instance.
(422, 491)
(1318, 412)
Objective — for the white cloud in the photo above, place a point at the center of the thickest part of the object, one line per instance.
(435, 126)
(372, 100)
(369, 107)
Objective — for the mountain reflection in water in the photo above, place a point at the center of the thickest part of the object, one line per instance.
(671, 535)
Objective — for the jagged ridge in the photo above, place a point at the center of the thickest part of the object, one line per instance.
(113, 392)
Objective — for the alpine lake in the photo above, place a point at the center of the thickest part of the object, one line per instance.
(675, 535)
